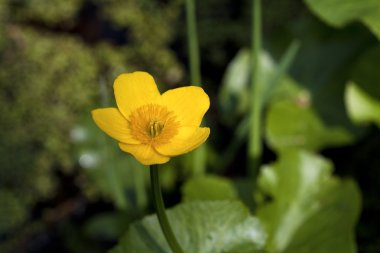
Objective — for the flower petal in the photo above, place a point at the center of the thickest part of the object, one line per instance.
(134, 90)
(189, 104)
(145, 154)
(113, 123)
(187, 139)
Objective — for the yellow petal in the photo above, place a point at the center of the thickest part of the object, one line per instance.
(113, 123)
(145, 154)
(188, 103)
(186, 140)
(134, 90)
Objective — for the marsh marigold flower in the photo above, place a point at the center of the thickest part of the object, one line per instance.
(154, 127)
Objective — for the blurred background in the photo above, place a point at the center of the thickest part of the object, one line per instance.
(65, 187)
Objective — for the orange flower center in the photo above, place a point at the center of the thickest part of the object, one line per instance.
(153, 124)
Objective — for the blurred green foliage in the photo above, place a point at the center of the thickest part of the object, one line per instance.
(52, 68)
(40, 98)
(342, 12)
(107, 170)
(12, 212)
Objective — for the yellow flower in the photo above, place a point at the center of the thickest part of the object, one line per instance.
(150, 126)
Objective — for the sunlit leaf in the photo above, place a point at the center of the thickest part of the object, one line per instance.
(362, 95)
(361, 107)
(202, 227)
(307, 208)
(295, 124)
(341, 12)
(208, 188)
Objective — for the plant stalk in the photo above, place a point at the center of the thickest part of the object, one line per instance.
(160, 210)
(199, 155)
(192, 40)
(254, 142)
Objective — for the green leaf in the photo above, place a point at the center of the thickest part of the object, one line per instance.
(208, 188)
(361, 107)
(321, 68)
(341, 12)
(295, 124)
(366, 72)
(202, 227)
(317, 95)
(362, 95)
(309, 209)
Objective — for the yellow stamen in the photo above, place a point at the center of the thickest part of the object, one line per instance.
(155, 128)
(153, 124)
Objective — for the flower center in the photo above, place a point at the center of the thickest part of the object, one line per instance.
(153, 124)
(155, 128)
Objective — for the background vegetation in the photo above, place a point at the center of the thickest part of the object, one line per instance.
(66, 187)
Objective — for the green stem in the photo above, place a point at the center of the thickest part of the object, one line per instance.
(199, 155)
(192, 39)
(254, 143)
(160, 210)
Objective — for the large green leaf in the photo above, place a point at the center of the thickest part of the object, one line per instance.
(201, 227)
(313, 116)
(309, 209)
(295, 124)
(341, 12)
(208, 188)
(321, 69)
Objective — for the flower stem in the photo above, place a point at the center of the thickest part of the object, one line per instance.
(199, 155)
(192, 40)
(254, 142)
(160, 210)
